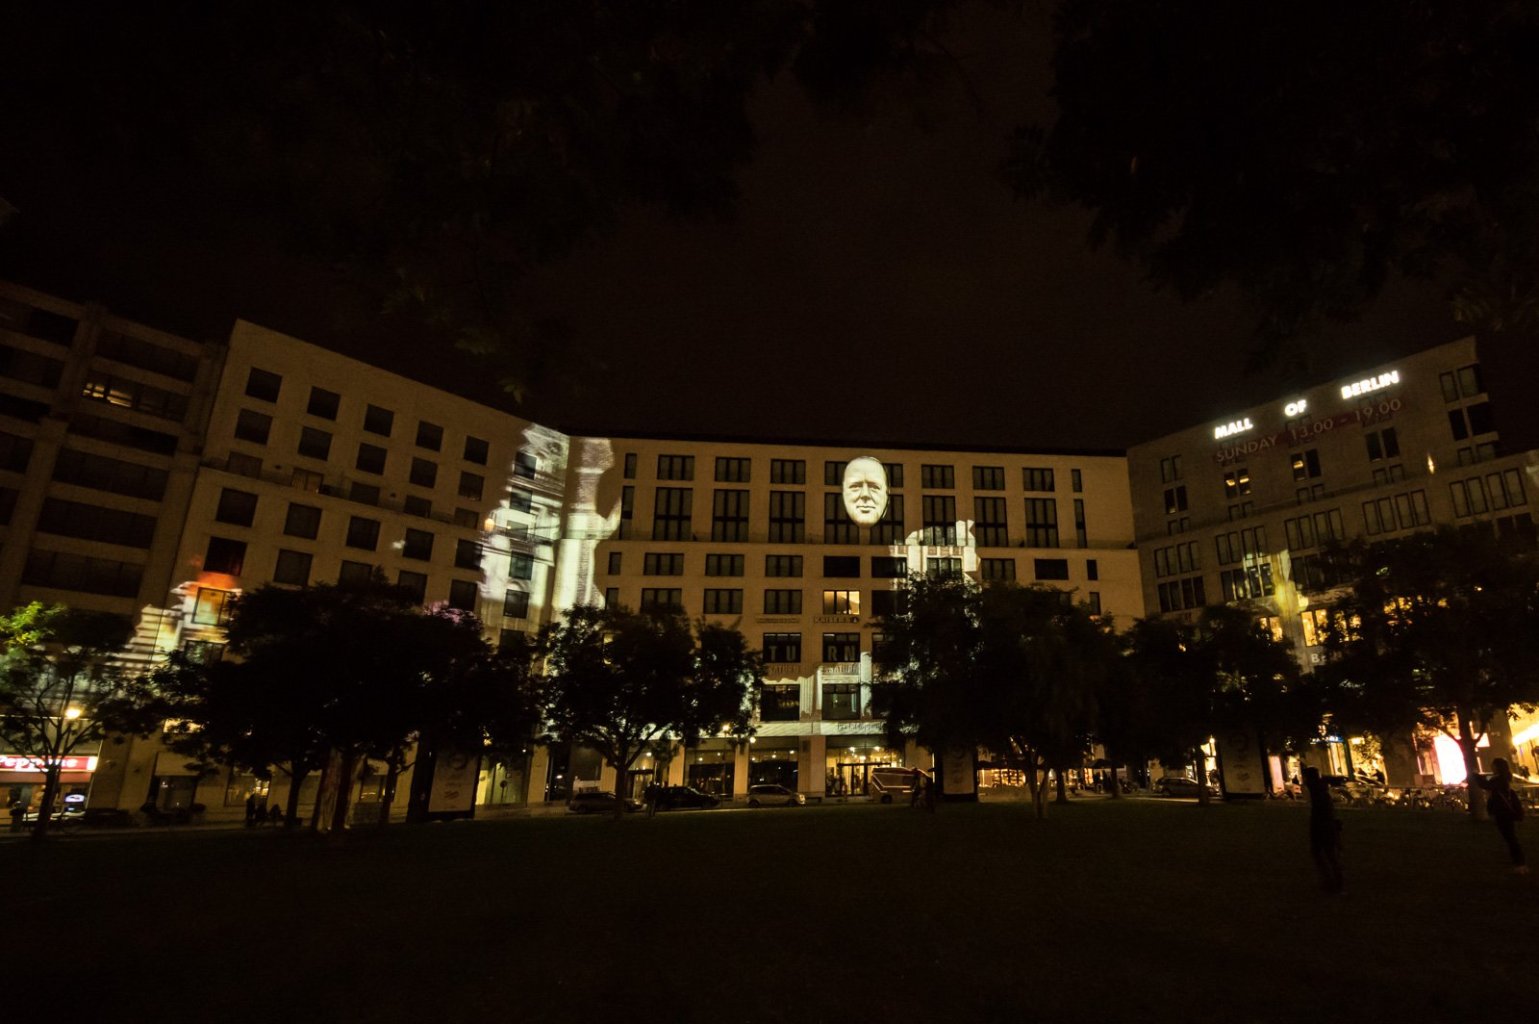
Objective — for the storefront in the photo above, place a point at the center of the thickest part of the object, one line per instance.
(848, 763)
(773, 762)
(711, 767)
(22, 780)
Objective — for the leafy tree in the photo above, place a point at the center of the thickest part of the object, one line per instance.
(1440, 629)
(1305, 153)
(62, 685)
(1176, 683)
(1012, 669)
(617, 681)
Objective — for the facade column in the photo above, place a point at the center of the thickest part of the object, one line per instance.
(740, 764)
(811, 758)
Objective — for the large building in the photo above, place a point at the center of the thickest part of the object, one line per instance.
(1238, 510)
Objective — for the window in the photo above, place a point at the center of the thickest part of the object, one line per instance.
(1182, 558)
(671, 513)
(838, 528)
(243, 464)
(788, 514)
(236, 507)
(1382, 444)
(414, 584)
(1245, 584)
(781, 702)
(630, 465)
(841, 602)
(1316, 624)
(732, 471)
(60, 571)
(627, 512)
(841, 566)
(467, 554)
(988, 478)
(1178, 595)
(323, 403)
(894, 474)
(788, 471)
(364, 494)
(477, 450)
(887, 603)
(253, 426)
(90, 521)
(515, 604)
(841, 647)
(293, 568)
(467, 518)
(1092, 569)
(262, 385)
(423, 473)
(1081, 534)
(782, 647)
(937, 477)
(1236, 483)
(147, 355)
(615, 561)
(940, 518)
(997, 570)
(1170, 469)
(302, 521)
(1396, 512)
(463, 595)
(371, 458)
(833, 473)
(1306, 464)
(724, 565)
(471, 486)
(1050, 568)
(782, 602)
(889, 529)
(212, 607)
(656, 564)
(1076, 481)
(526, 466)
(225, 556)
(430, 436)
(520, 566)
(520, 500)
(783, 565)
(306, 480)
(1041, 522)
(943, 568)
(662, 599)
(362, 533)
(723, 602)
(98, 472)
(354, 574)
(675, 467)
(887, 567)
(314, 443)
(16, 452)
(1037, 479)
(1093, 602)
(417, 545)
(1481, 419)
(729, 516)
(378, 421)
(990, 527)
(1175, 500)
(203, 652)
(101, 386)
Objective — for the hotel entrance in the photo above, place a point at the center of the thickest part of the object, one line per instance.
(849, 767)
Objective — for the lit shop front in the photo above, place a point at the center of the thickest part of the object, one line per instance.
(773, 762)
(22, 779)
(848, 764)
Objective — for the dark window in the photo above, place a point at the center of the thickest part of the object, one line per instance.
(520, 501)
(997, 569)
(467, 554)
(323, 403)
(225, 556)
(1456, 423)
(943, 568)
(1175, 500)
(788, 471)
(430, 436)
(1306, 464)
(781, 702)
(416, 505)
(243, 465)
(476, 450)
(520, 566)
(60, 571)
(261, 384)
(1481, 419)
(838, 527)
(675, 467)
(782, 647)
(1037, 479)
(887, 603)
(414, 584)
(787, 516)
(253, 426)
(293, 567)
(238, 507)
(16, 452)
(8, 497)
(355, 574)
(671, 513)
(1092, 569)
(783, 565)
(39, 323)
(840, 647)
(471, 486)
(988, 478)
(630, 465)
(364, 494)
(990, 527)
(1051, 568)
(378, 421)
(611, 597)
(729, 516)
(468, 518)
(724, 565)
(937, 477)
(101, 473)
(418, 545)
(515, 604)
(662, 599)
(423, 473)
(118, 432)
(655, 563)
(940, 518)
(29, 367)
(371, 458)
(463, 594)
(890, 529)
(615, 562)
(93, 522)
(782, 602)
(886, 567)
(302, 521)
(723, 602)
(841, 566)
(525, 466)
(732, 471)
(1076, 480)
(315, 444)
(362, 533)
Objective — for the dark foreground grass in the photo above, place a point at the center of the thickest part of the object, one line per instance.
(1134, 910)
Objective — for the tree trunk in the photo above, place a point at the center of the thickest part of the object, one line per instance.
(344, 790)
(320, 794)
(622, 773)
(420, 793)
(50, 794)
(1062, 796)
(392, 775)
(1201, 761)
(1467, 742)
(1116, 787)
(291, 805)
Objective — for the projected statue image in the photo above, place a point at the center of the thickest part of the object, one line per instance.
(865, 490)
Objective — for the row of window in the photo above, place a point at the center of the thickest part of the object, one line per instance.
(729, 601)
(1495, 492)
(732, 469)
(671, 563)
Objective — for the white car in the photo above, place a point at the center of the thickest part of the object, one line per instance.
(769, 795)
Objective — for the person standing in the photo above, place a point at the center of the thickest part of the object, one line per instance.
(917, 792)
(1505, 808)
(1324, 832)
(251, 809)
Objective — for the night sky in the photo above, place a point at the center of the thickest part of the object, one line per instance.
(878, 282)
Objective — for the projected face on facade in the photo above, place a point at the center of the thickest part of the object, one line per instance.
(865, 490)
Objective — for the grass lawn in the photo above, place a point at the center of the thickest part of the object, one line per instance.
(1131, 910)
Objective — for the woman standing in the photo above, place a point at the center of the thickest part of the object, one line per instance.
(1505, 808)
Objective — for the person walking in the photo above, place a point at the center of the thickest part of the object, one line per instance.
(1505, 808)
(917, 793)
(251, 810)
(1324, 832)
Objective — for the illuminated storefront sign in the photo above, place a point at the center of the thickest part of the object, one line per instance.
(20, 763)
(1368, 384)
(1232, 428)
(1297, 408)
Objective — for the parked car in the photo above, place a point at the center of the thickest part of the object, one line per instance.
(597, 803)
(676, 798)
(770, 795)
(1175, 785)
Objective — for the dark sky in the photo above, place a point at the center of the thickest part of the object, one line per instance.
(877, 283)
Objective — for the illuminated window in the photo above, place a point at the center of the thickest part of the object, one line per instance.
(662, 599)
(782, 602)
(378, 421)
(430, 436)
(477, 450)
(1272, 626)
(787, 517)
(675, 467)
(732, 471)
(1037, 479)
(323, 403)
(781, 702)
(988, 478)
(1041, 522)
(371, 458)
(940, 518)
(889, 529)
(943, 568)
(467, 554)
(423, 473)
(783, 565)
(263, 385)
(788, 471)
(671, 513)
(1316, 622)
(471, 486)
(515, 604)
(937, 477)
(990, 527)
(1306, 464)
(841, 647)
(225, 556)
(236, 507)
(838, 527)
(414, 584)
(463, 595)
(293, 567)
(354, 573)
(729, 515)
(1237, 483)
(841, 566)
(314, 443)
(841, 602)
(997, 569)
(362, 533)
(662, 564)
(723, 565)
(253, 426)
(213, 607)
(723, 602)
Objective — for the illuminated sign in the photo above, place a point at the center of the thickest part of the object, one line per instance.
(22, 763)
(865, 490)
(1368, 384)
(1232, 428)
(1296, 408)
